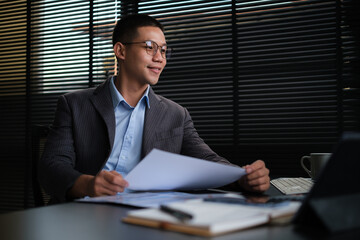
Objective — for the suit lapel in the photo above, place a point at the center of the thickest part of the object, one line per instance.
(153, 116)
(102, 102)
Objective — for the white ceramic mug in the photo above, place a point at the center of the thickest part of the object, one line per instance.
(317, 162)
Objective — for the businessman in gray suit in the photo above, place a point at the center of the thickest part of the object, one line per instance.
(100, 134)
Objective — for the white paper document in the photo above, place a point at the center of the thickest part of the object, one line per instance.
(153, 199)
(161, 170)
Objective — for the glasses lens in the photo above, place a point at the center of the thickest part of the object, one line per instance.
(152, 48)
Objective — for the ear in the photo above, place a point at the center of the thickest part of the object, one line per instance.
(119, 50)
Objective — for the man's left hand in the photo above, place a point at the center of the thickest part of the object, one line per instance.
(257, 177)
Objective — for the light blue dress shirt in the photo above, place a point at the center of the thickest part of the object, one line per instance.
(129, 122)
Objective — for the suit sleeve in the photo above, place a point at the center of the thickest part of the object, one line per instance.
(56, 167)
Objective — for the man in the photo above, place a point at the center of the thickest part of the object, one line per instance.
(100, 134)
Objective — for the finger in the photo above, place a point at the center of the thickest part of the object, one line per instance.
(110, 189)
(115, 178)
(119, 177)
(259, 181)
(258, 164)
(259, 186)
(256, 171)
(259, 173)
(106, 183)
(103, 190)
(257, 178)
(100, 188)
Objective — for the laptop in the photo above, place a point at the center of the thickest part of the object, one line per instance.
(334, 201)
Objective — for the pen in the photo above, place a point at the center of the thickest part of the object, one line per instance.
(180, 215)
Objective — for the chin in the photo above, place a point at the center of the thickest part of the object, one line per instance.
(153, 82)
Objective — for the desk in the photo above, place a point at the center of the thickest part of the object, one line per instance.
(89, 221)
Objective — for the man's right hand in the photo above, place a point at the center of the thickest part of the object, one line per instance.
(107, 183)
(104, 183)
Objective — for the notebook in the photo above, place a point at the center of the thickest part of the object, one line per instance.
(210, 218)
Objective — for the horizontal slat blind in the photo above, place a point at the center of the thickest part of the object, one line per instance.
(350, 25)
(287, 74)
(13, 24)
(200, 74)
(104, 17)
(60, 54)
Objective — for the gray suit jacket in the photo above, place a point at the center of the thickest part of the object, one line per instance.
(82, 136)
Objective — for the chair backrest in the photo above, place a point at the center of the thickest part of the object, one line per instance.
(38, 139)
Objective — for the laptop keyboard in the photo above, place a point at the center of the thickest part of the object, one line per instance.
(293, 185)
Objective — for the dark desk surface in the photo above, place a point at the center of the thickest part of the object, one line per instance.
(88, 221)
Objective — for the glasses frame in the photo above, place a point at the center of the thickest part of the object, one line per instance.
(152, 52)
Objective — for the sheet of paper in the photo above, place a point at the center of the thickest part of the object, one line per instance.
(152, 199)
(161, 170)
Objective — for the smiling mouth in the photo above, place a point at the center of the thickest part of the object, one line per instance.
(155, 69)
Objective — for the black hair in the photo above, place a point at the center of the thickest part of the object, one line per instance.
(126, 28)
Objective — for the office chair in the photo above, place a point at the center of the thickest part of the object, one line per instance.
(38, 139)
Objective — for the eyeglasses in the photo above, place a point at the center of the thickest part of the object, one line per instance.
(152, 48)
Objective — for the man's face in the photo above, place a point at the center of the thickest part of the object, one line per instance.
(139, 66)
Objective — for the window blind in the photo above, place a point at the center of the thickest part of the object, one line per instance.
(287, 72)
(350, 37)
(104, 17)
(199, 75)
(60, 53)
(13, 66)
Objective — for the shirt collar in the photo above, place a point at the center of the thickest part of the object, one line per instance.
(117, 97)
